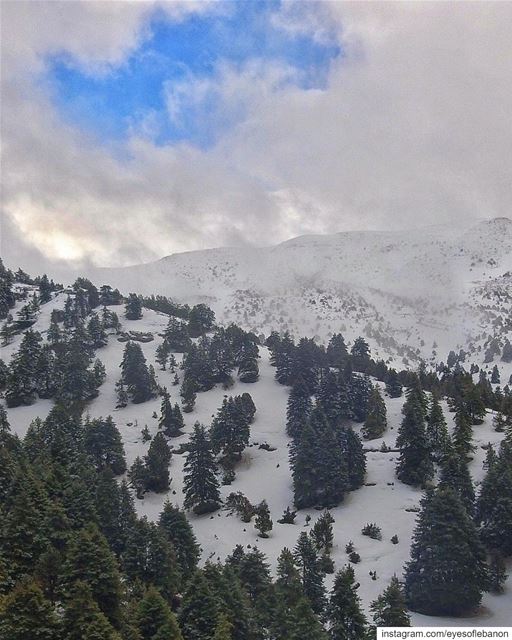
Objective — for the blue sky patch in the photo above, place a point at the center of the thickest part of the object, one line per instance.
(112, 105)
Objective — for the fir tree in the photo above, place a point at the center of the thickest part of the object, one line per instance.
(201, 486)
(21, 384)
(304, 623)
(199, 611)
(455, 475)
(376, 421)
(298, 408)
(171, 420)
(263, 521)
(414, 464)
(393, 386)
(322, 532)
(157, 465)
(354, 456)
(26, 615)
(229, 432)
(462, 432)
(346, 619)
(437, 432)
(495, 375)
(360, 353)
(447, 573)
(337, 353)
(389, 609)
(137, 477)
(133, 308)
(83, 619)
(312, 576)
(224, 628)
(188, 394)
(103, 443)
(174, 523)
(135, 374)
(90, 560)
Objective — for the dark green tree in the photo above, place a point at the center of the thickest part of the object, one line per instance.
(201, 486)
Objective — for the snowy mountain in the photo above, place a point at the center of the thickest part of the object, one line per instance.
(411, 294)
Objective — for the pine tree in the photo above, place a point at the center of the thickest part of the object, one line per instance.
(26, 615)
(157, 465)
(495, 375)
(415, 465)
(171, 420)
(389, 609)
(447, 573)
(21, 384)
(337, 353)
(304, 623)
(201, 486)
(137, 477)
(90, 560)
(332, 401)
(462, 432)
(96, 331)
(359, 389)
(298, 408)
(263, 522)
(135, 375)
(494, 506)
(174, 523)
(346, 619)
(506, 354)
(455, 475)
(322, 532)
(360, 353)
(437, 432)
(376, 421)
(83, 619)
(312, 576)
(224, 628)
(162, 354)
(188, 394)
(354, 456)
(230, 431)
(154, 618)
(103, 443)
(199, 612)
(393, 386)
(133, 308)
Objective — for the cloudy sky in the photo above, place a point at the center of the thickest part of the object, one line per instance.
(131, 130)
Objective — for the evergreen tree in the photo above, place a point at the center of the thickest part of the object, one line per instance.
(171, 420)
(230, 432)
(263, 521)
(135, 374)
(437, 432)
(389, 609)
(462, 432)
(447, 573)
(21, 384)
(103, 443)
(354, 456)
(154, 618)
(174, 523)
(26, 615)
(96, 331)
(90, 560)
(376, 421)
(322, 532)
(494, 505)
(200, 320)
(137, 477)
(506, 354)
(359, 389)
(83, 619)
(337, 353)
(224, 628)
(199, 611)
(346, 619)
(495, 375)
(393, 386)
(298, 408)
(455, 475)
(188, 394)
(414, 464)
(312, 576)
(133, 308)
(157, 465)
(201, 486)
(360, 353)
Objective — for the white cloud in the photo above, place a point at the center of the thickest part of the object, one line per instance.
(413, 128)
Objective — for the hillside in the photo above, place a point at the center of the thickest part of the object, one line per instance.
(412, 294)
(266, 474)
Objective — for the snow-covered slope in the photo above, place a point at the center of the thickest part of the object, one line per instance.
(266, 475)
(411, 294)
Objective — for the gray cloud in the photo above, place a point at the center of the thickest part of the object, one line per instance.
(412, 129)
